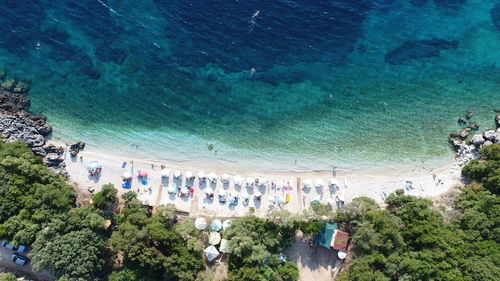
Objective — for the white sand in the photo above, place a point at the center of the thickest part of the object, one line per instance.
(371, 182)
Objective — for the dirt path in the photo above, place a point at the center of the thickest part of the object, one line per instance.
(314, 263)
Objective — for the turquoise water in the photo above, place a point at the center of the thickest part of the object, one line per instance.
(351, 83)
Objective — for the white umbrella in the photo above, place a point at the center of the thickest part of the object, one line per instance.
(272, 198)
(172, 188)
(216, 225)
(226, 224)
(224, 246)
(212, 177)
(330, 201)
(222, 193)
(225, 178)
(94, 165)
(250, 181)
(189, 175)
(245, 196)
(201, 175)
(127, 175)
(209, 191)
(200, 223)
(341, 196)
(257, 194)
(319, 182)
(214, 238)
(341, 255)
(184, 190)
(177, 173)
(165, 173)
(211, 253)
(333, 181)
(308, 182)
(263, 181)
(238, 180)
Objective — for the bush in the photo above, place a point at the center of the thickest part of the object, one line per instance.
(105, 196)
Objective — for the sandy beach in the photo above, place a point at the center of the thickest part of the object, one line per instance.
(375, 183)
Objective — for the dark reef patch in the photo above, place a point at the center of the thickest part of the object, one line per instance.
(495, 15)
(239, 35)
(418, 50)
(452, 4)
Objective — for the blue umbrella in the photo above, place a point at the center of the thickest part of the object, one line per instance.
(316, 199)
(216, 225)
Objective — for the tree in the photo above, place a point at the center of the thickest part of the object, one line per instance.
(129, 196)
(8, 277)
(77, 255)
(105, 196)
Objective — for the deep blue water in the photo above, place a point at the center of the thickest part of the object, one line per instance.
(266, 81)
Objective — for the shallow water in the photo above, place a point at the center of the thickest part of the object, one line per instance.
(351, 83)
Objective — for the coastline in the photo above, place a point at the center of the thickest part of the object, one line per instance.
(371, 182)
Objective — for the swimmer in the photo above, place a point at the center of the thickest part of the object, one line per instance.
(252, 70)
(256, 14)
(357, 102)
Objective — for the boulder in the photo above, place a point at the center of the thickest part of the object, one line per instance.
(487, 143)
(21, 88)
(464, 133)
(35, 140)
(77, 146)
(489, 135)
(462, 120)
(52, 160)
(477, 140)
(469, 114)
(44, 130)
(39, 151)
(474, 126)
(454, 135)
(497, 119)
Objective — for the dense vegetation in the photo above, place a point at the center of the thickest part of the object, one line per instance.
(411, 239)
(255, 245)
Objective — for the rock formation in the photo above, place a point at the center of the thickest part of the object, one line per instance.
(17, 124)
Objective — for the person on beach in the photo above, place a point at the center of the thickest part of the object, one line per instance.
(81, 159)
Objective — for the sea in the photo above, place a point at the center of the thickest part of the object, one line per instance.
(267, 85)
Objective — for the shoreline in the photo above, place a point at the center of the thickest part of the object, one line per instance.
(373, 182)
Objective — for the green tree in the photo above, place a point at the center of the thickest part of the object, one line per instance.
(8, 277)
(106, 195)
(77, 255)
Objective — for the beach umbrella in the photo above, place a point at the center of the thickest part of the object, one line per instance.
(189, 175)
(263, 181)
(341, 255)
(177, 173)
(200, 223)
(226, 224)
(340, 196)
(308, 182)
(224, 246)
(212, 177)
(281, 200)
(222, 193)
(257, 194)
(316, 199)
(93, 165)
(333, 181)
(250, 181)
(211, 253)
(245, 196)
(238, 180)
(143, 174)
(165, 173)
(191, 190)
(216, 225)
(127, 175)
(201, 175)
(319, 182)
(225, 178)
(209, 191)
(172, 188)
(330, 201)
(233, 200)
(272, 198)
(184, 190)
(214, 238)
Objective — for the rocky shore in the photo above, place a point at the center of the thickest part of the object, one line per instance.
(17, 124)
(468, 145)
